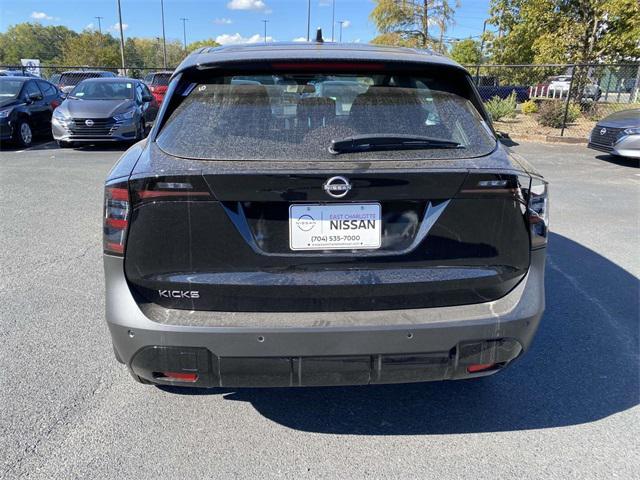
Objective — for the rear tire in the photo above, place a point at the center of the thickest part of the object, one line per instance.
(24, 134)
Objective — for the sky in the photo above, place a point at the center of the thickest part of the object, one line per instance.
(226, 21)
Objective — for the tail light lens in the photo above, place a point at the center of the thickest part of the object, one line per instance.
(538, 212)
(116, 218)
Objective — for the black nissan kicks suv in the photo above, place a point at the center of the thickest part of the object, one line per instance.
(321, 214)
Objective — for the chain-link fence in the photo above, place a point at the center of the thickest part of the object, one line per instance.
(555, 100)
(523, 100)
(68, 76)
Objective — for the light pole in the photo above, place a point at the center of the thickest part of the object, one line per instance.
(484, 28)
(333, 20)
(309, 20)
(341, 22)
(265, 30)
(184, 32)
(99, 24)
(121, 38)
(164, 38)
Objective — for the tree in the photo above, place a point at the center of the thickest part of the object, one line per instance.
(466, 52)
(407, 22)
(565, 31)
(210, 42)
(91, 48)
(32, 40)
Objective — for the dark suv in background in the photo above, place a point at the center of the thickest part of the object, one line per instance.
(268, 233)
(68, 80)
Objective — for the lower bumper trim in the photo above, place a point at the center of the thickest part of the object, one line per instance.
(214, 371)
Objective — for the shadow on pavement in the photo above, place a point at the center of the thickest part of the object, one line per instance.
(621, 161)
(583, 366)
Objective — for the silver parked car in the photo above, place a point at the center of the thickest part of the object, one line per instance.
(104, 109)
(618, 134)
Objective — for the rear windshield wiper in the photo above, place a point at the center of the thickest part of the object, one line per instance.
(388, 141)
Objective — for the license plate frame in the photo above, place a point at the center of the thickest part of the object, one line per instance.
(312, 227)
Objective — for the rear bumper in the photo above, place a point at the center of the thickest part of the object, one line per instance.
(338, 348)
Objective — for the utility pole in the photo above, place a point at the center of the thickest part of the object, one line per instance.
(99, 24)
(309, 20)
(184, 32)
(265, 30)
(121, 38)
(164, 38)
(484, 28)
(341, 22)
(333, 20)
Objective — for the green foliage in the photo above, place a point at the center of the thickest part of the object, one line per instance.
(500, 108)
(32, 40)
(551, 113)
(209, 42)
(406, 23)
(466, 52)
(565, 31)
(93, 49)
(529, 107)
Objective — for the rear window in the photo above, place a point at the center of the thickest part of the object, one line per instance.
(161, 79)
(75, 78)
(296, 116)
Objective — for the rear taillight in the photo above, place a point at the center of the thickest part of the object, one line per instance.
(116, 218)
(538, 212)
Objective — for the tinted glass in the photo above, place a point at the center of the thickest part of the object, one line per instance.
(75, 78)
(47, 89)
(31, 88)
(297, 116)
(92, 90)
(10, 88)
(161, 79)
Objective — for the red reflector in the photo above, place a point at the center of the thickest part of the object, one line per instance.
(179, 376)
(118, 193)
(165, 193)
(480, 367)
(117, 223)
(114, 247)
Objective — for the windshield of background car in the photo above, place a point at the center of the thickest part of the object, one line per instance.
(293, 116)
(103, 91)
(75, 78)
(10, 88)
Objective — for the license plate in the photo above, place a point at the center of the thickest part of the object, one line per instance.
(343, 226)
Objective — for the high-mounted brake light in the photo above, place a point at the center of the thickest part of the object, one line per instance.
(116, 218)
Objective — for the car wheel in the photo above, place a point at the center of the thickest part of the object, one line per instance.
(24, 134)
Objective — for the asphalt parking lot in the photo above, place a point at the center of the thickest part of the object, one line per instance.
(568, 409)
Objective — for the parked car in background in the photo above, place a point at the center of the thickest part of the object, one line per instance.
(558, 87)
(158, 83)
(104, 110)
(322, 244)
(16, 73)
(68, 80)
(26, 106)
(618, 134)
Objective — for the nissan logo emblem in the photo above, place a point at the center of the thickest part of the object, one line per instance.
(88, 122)
(603, 131)
(337, 187)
